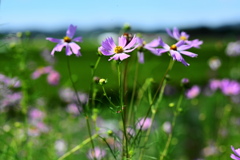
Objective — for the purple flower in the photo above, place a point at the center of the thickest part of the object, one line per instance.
(40, 71)
(176, 50)
(215, 84)
(236, 155)
(144, 124)
(233, 48)
(149, 46)
(118, 52)
(193, 92)
(53, 78)
(183, 36)
(230, 87)
(97, 153)
(36, 114)
(68, 42)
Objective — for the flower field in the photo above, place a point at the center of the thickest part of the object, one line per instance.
(129, 96)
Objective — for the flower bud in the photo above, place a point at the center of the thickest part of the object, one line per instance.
(102, 81)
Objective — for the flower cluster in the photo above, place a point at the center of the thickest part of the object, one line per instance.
(128, 43)
(52, 78)
(227, 86)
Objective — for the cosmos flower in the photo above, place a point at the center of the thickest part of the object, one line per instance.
(97, 153)
(118, 52)
(236, 155)
(233, 48)
(68, 42)
(193, 92)
(230, 87)
(151, 46)
(183, 36)
(53, 78)
(144, 124)
(176, 50)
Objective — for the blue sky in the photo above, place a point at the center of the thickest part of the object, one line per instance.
(141, 14)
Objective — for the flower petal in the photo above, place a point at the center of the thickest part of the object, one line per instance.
(68, 50)
(107, 44)
(131, 43)
(177, 56)
(179, 43)
(140, 57)
(184, 47)
(190, 54)
(55, 40)
(119, 56)
(77, 39)
(169, 32)
(71, 31)
(75, 48)
(176, 33)
(161, 51)
(164, 45)
(234, 157)
(105, 52)
(122, 41)
(154, 43)
(236, 151)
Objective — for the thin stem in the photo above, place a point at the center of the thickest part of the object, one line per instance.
(164, 153)
(154, 97)
(105, 94)
(109, 148)
(131, 107)
(92, 83)
(154, 111)
(79, 104)
(78, 147)
(125, 140)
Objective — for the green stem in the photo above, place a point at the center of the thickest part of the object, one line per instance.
(164, 153)
(131, 106)
(105, 94)
(79, 105)
(92, 83)
(125, 141)
(154, 97)
(78, 147)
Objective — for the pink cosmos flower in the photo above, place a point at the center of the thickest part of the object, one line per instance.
(118, 52)
(176, 50)
(40, 71)
(176, 34)
(144, 123)
(193, 92)
(230, 87)
(236, 153)
(151, 46)
(97, 153)
(53, 78)
(68, 42)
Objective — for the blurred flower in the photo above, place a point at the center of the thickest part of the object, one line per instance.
(151, 46)
(10, 82)
(167, 127)
(215, 84)
(97, 153)
(176, 50)
(36, 114)
(67, 42)
(60, 147)
(230, 87)
(192, 92)
(118, 52)
(47, 57)
(12, 99)
(183, 36)
(53, 78)
(144, 124)
(72, 108)
(214, 63)
(210, 150)
(40, 71)
(233, 48)
(236, 153)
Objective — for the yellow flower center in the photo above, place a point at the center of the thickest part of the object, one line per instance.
(118, 49)
(173, 47)
(67, 39)
(183, 38)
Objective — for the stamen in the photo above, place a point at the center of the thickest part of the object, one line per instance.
(173, 47)
(67, 39)
(183, 38)
(118, 49)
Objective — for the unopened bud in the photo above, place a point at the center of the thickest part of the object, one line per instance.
(102, 81)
